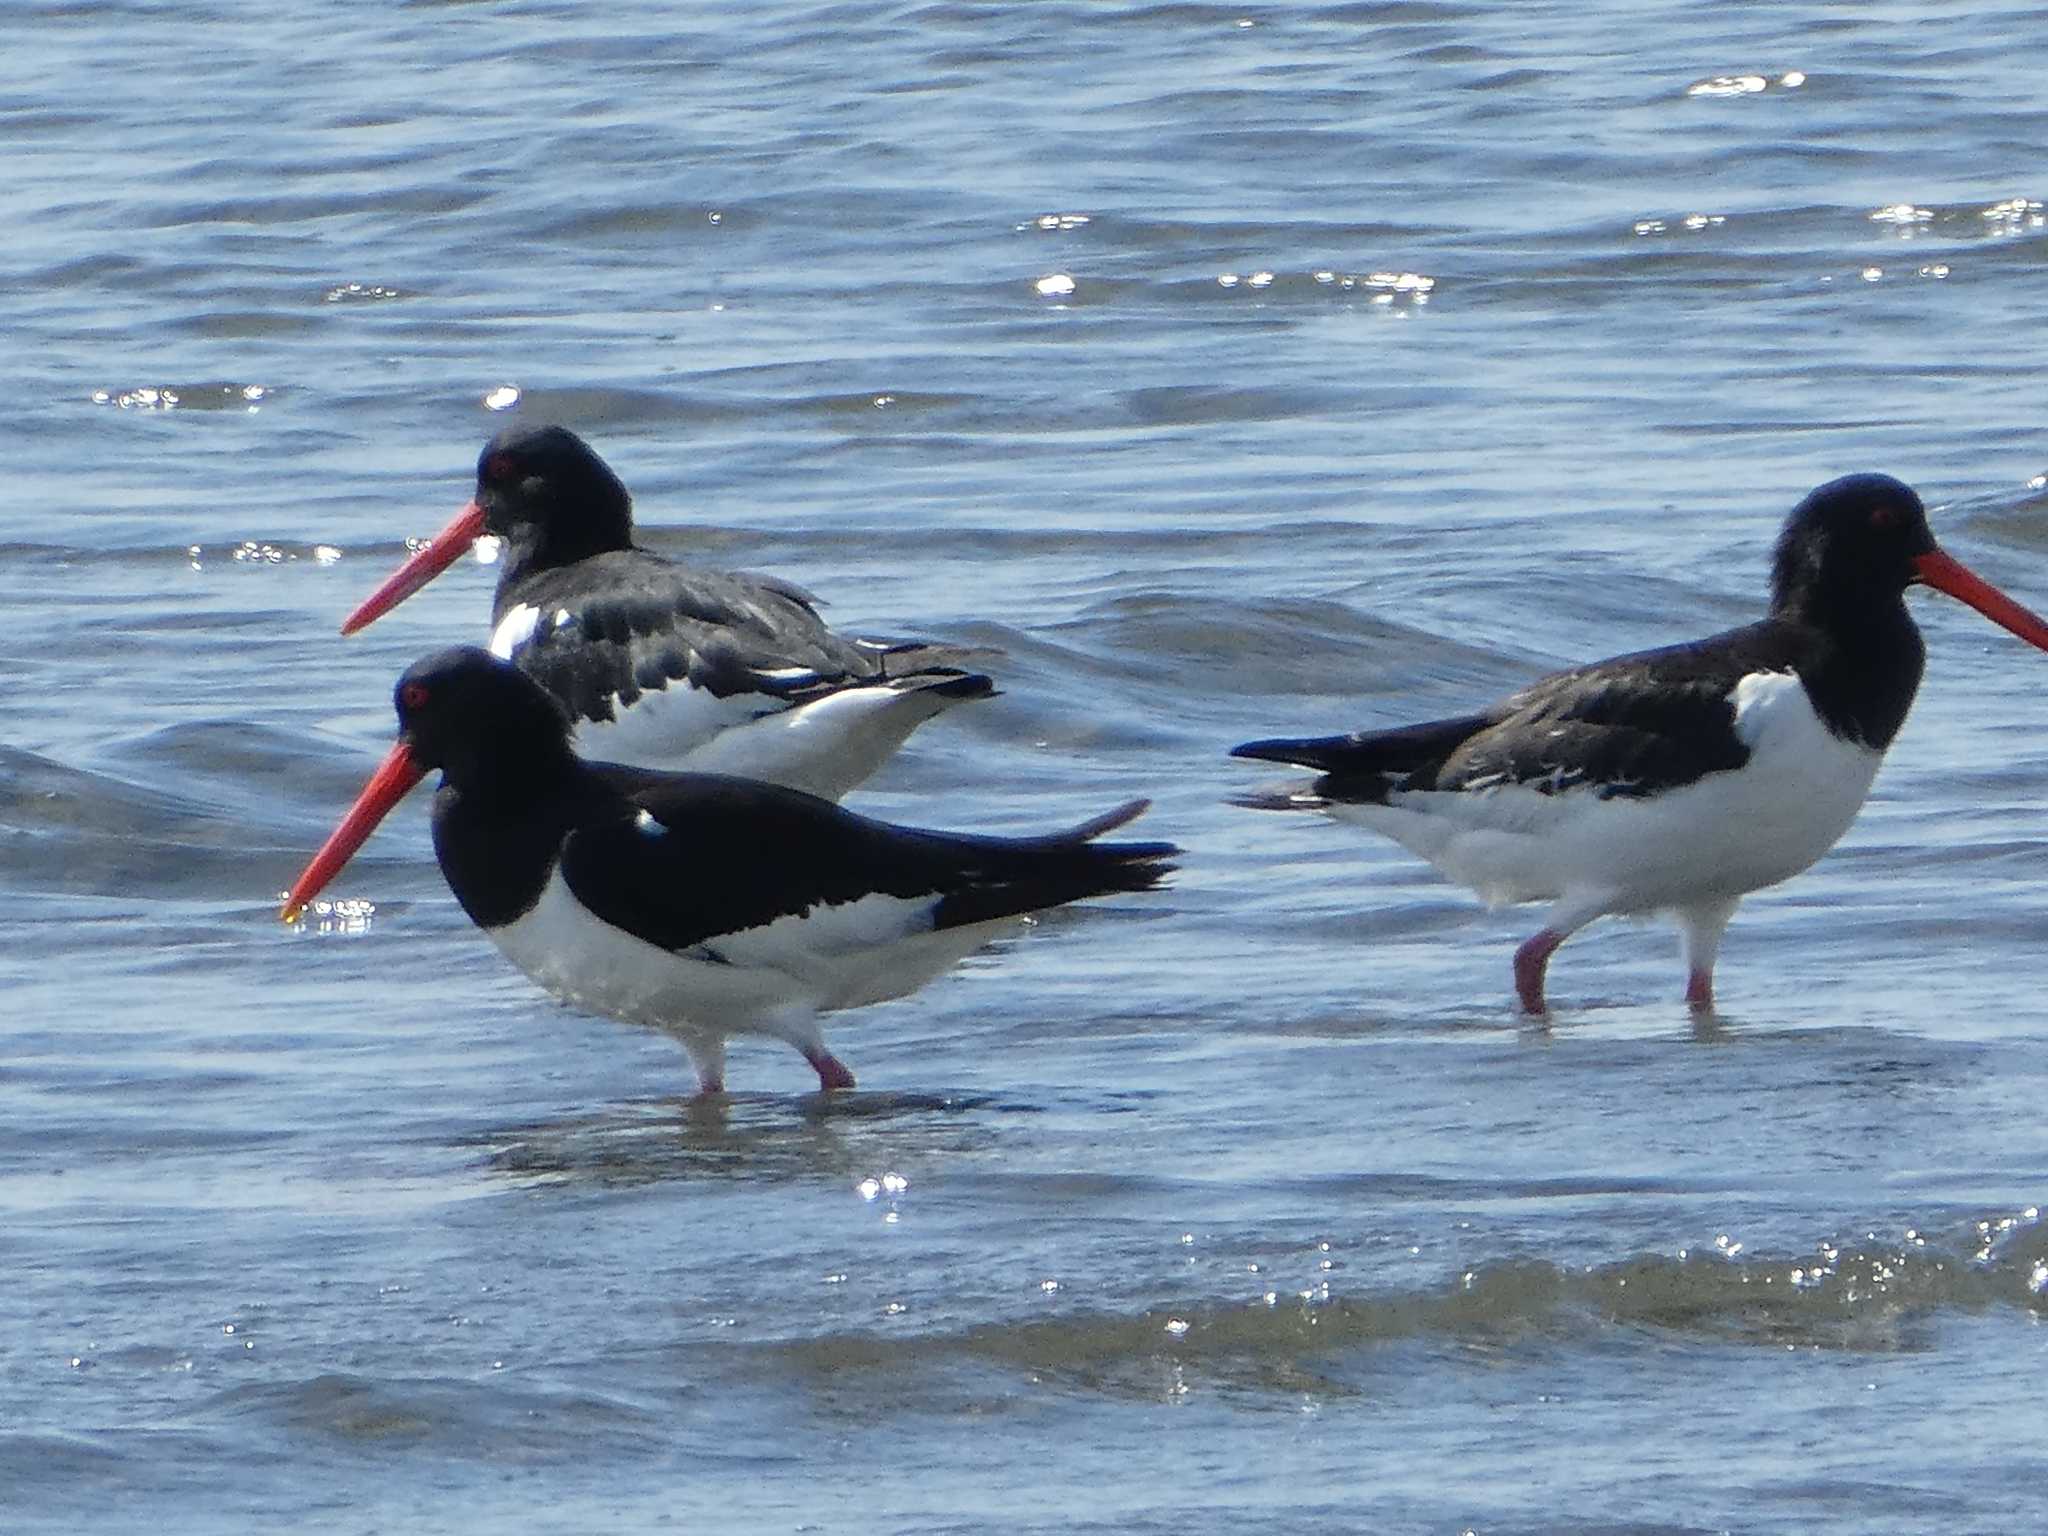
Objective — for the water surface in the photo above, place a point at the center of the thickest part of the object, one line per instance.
(1234, 372)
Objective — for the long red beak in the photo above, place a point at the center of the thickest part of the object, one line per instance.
(441, 551)
(394, 777)
(1947, 574)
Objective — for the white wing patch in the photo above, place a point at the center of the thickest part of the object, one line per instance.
(1770, 703)
(663, 727)
(514, 630)
(828, 930)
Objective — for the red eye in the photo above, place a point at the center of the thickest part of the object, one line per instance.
(1886, 516)
(499, 466)
(413, 695)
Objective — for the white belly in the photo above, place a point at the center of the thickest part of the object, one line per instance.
(844, 956)
(1726, 834)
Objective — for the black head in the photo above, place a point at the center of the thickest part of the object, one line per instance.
(545, 489)
(1853, 542)
(478, 718)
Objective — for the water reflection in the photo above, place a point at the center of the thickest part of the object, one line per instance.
(756, 1138)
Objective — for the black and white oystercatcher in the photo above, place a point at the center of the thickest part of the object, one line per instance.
(1678, 779)
(664, 665)
(699, 904)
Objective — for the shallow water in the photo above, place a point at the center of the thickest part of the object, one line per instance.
(1234, 372)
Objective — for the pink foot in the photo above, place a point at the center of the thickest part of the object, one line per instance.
(832, 1072)
(1531, 961)
(1699, 989)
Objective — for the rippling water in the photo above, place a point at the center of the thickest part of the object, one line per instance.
(1234, 371)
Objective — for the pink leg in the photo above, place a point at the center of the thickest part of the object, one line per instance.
(1699, 989)
(832, 1072)
(707, 1055)
(1701, 928)
(1531, 961)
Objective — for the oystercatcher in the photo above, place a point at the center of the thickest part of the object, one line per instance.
(663, 665)
(1678, 779)
(699, 904)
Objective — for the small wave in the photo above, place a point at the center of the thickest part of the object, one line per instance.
(495, 1415)
(1873, 1295)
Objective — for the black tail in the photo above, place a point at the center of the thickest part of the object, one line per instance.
(1029, 874)
(1367, 784)
(906, 658)
(944, 683)
(1108, 821)
(1300, 797)
(1405, 749)
(1362, 767)
(1308, 751)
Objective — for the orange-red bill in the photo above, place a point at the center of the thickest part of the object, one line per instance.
(1947, 574)
(440, 552)
(395, 776)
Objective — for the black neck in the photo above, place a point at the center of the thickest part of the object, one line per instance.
(1863, 665)
(533, 547)
(499, 833)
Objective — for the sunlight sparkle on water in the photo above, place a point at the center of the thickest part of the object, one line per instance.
(1728, 85)
(1745, 85)
(349, 915)
(1692, 222)
(144, 399)
(2013, 215)
(171, 397)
